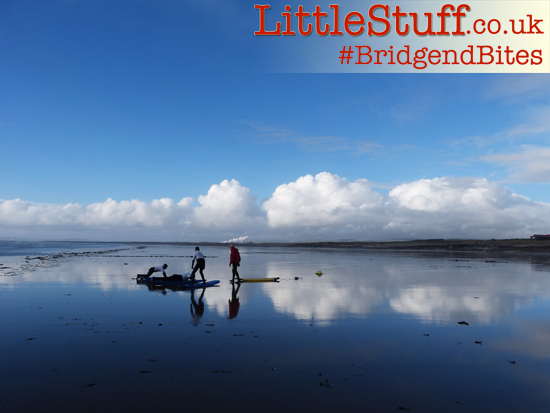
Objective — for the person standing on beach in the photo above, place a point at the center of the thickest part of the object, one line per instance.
(201, 263)
(160, 268)
(234, 262)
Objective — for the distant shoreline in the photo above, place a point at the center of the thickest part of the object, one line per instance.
(497, 245)
(509, 248)
(505, 246)
(470, 245)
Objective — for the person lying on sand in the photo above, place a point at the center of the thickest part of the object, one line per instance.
(175, 277)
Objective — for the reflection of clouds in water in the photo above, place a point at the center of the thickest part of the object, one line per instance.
(219, 303)
(447, 294)
(431, 289)
(103, 272)
(113, 270)
(442, 304)
(325, 302)
(432, 293)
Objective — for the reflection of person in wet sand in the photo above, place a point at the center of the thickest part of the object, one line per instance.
(197, 309)
(234, 302)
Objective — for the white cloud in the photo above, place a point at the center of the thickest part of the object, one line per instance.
(323, 200)
(321, 207)
(454, 195)
(109, 220)
(227, 205)
(532, 164)
(464, 208)
(226, 211)
(160, 212)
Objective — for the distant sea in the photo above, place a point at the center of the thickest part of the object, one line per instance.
(33, 248)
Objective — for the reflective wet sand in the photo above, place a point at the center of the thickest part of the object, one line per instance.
(377, 331)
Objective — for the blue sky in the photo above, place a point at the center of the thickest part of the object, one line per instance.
(143, 100)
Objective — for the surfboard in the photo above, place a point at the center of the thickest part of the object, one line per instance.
(258, 280)
(184, 284)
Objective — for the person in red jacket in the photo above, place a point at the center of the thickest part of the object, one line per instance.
(234, 262)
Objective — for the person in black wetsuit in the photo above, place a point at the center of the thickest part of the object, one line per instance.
(201, 263)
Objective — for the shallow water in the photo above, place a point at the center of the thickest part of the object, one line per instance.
(18, 248)
(377, 331)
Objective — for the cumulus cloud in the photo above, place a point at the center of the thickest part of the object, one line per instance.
(160, 212)
(321, 207)
(464, 208)
(454, 195)
(227, 205)
(324, 200)
(227, 210)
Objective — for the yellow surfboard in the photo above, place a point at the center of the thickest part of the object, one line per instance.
(259, 280)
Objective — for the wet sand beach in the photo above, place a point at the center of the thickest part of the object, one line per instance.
(425, 329)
